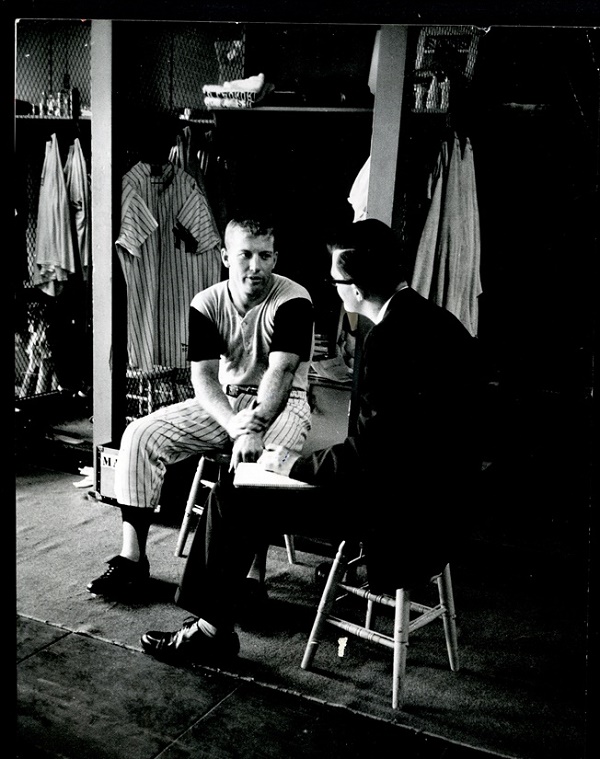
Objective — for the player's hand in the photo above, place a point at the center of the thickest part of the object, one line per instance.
(247, 447)
(244, 422)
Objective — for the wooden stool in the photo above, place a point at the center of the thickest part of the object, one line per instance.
(208, 472)
(336, 588)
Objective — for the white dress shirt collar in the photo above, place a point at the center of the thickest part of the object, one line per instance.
(384, 308)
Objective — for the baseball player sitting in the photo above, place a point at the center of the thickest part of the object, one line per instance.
(249, 345)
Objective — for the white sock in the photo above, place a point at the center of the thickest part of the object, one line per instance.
(206, 628)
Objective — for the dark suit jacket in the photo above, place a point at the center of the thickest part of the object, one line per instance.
(410, 466)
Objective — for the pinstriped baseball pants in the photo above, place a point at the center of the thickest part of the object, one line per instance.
(181, 430)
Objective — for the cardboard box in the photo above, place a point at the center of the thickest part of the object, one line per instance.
(106, 460)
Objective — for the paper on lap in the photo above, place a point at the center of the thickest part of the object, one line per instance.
(250, 475)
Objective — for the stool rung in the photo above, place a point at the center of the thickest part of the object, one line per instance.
(360, 631)
(426, 616)
(363, 592)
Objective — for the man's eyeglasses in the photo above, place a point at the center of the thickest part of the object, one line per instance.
(334, 282)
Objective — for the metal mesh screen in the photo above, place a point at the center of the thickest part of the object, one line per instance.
(50, 56)
(167, 64)
(211, 54)
(444, 61)
(49, 51)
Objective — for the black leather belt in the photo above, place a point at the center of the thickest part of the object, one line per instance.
(234, 390)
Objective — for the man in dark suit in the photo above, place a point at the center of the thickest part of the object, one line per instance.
(406, 469)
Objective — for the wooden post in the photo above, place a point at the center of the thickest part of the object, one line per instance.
(389, 76)
(387, 109)
(105, 400)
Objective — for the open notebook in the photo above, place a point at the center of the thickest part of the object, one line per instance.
(248, 475)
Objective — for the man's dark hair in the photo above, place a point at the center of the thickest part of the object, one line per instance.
(370, 254)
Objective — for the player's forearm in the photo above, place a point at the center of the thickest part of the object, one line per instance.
(273, 393)
(213, 400)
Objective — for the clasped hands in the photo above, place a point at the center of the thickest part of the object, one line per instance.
(246, 422)
(247, 431)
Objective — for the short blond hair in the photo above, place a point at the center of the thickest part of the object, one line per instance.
(254, 226)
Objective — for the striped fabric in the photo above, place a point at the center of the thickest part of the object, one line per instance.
(176, 432)
(169, 249)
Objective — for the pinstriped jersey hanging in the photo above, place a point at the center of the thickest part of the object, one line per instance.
(169, 249)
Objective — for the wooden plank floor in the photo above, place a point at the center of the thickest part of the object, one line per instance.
(82, 697)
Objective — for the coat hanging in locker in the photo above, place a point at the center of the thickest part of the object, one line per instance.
(448, 256)
(78, 191)
(54, 250)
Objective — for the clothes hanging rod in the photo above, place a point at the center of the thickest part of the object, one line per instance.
(295, 108)
(212, 120)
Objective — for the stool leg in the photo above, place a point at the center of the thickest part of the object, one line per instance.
(290, 548)
(401, 631)
(191, 502)
(258, 570)
(444, 582)
(336, 573)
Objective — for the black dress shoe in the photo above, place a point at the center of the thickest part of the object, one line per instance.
(188, 644)
(122, 578)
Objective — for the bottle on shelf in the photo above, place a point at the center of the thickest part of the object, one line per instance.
(431, 103)
(75, 103)
(64, 97)
(50, 105)
(420, 94)
(444, 94)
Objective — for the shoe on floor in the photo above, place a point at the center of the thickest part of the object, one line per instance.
(122, 577)
(188, 644)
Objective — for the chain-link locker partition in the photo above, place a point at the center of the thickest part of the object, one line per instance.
(53, 56)
(164, 66)
(52, 92)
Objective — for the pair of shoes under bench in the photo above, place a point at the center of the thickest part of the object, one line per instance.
(122, 578)
(190, 645)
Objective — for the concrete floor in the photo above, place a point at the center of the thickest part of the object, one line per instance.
(130, 706)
